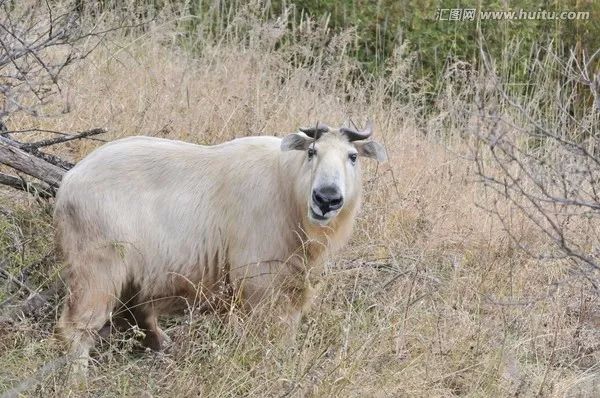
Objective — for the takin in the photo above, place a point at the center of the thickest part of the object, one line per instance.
(151, 225)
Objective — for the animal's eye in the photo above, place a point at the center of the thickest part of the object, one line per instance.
(311, 152)
(353, 157)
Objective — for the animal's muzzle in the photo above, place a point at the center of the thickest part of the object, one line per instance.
(328, 198)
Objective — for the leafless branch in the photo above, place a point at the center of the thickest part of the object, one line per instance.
(31, 165)
(28, 159)
(37, 45)
(43, 191)
(64, 138)
(548, 169)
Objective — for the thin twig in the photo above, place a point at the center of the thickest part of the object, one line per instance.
(64, 138)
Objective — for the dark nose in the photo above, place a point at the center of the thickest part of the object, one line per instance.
(328, 198)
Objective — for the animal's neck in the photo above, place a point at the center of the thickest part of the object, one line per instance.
(323, 240)
(316, 241)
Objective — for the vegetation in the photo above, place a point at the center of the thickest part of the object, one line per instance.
(455, 283)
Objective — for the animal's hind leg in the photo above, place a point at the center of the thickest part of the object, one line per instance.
(134, 310)
(147, 320)
(93, 293)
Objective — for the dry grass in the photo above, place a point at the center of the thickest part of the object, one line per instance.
(430, 298)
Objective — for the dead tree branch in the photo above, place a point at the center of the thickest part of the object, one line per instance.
(31, 165)
(28, 159)
(43, 191)
(64, 138)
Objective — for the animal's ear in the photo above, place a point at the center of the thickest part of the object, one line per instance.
(295, 142)
(371, 149)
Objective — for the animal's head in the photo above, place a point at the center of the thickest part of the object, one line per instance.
(331, 160)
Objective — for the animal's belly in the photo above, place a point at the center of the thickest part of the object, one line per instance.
(179, 292)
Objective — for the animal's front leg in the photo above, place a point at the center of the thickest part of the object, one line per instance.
(277, 314)
(273, 298)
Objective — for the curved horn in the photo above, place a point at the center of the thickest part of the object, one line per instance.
(354, 135)
(315, 132)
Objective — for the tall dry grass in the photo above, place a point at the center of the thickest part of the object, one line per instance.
(430, 297)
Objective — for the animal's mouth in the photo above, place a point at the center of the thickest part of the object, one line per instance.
(319, 218)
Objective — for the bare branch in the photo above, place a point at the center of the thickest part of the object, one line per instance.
(30, 165)
(36, 46)
(546, 168)
(64, 138)
(22, 185)
(38, 130)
